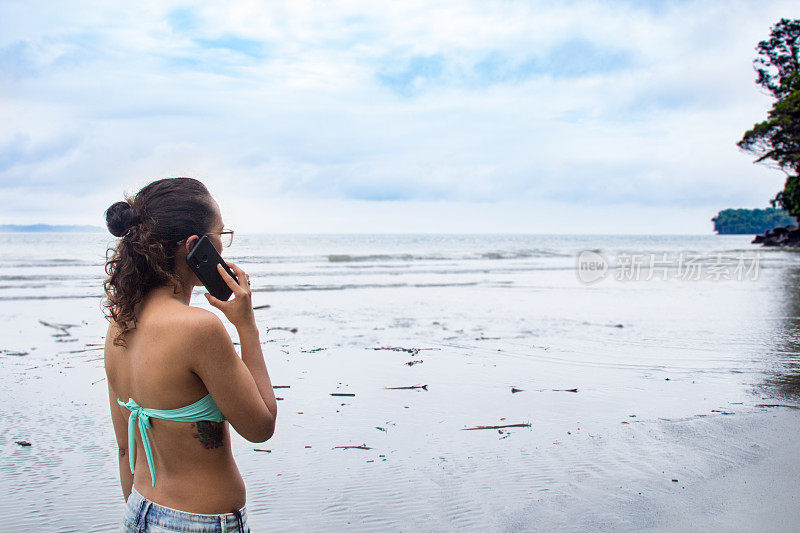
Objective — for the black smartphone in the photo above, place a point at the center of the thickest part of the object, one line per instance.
(203, 260)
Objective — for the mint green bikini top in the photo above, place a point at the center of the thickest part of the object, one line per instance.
(202, 409)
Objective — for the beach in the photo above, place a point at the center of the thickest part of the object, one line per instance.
(649, 404)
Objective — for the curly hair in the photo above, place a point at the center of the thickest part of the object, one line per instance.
(150, 225)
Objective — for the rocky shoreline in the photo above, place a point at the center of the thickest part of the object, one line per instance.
(788, 236)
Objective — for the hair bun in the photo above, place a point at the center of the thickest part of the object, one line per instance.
(120, 217)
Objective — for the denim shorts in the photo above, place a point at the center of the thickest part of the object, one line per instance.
(143, 515)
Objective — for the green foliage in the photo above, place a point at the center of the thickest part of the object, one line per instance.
(776, 141)
(751, 221)
(779, 64)
(789, 197)
(778, 137)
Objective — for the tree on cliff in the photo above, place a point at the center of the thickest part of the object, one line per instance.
(776, 140)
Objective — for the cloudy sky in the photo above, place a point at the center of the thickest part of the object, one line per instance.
(365, 116)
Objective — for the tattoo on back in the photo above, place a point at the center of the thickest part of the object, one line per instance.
(210, 434)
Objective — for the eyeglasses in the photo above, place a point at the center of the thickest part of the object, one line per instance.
(226, 236)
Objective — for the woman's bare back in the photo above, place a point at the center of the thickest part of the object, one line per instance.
(195, 469)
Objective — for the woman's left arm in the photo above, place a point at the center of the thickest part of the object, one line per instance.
(121, 431)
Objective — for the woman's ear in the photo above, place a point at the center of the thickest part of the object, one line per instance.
(190, 243)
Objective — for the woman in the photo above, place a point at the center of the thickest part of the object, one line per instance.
(174, 377)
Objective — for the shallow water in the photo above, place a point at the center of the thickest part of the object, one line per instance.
(679, 391)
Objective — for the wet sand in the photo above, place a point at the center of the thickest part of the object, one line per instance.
(759, 495)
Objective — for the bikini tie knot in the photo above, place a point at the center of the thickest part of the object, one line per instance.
(137, 411)
(139, 417)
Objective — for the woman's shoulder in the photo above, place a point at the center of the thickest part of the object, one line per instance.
(202, 332)
(178, 317)
(197, 326)
(198, 318)
(181, 323)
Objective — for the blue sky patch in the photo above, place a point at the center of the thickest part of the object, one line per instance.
(182, 20)
(413, 74)
(240, 45)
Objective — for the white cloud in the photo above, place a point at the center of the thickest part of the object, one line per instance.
(577, 106)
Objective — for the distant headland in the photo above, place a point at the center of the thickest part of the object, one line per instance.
(772, 227)
(751, 221)
(49, 228)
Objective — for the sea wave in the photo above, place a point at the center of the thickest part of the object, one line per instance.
(345, 286)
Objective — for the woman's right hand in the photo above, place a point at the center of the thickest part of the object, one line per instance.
(238, 309)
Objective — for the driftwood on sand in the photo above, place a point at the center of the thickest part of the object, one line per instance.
(412, 351)
(85, 350)
(777, 405)
(524, 425)
(62, 328)
(293, 330)
(12, 352)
